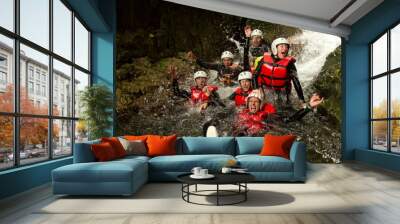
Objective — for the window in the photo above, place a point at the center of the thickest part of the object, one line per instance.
(34, 21)
(6, 74)
(7, 14)
(30, 88)
(385, 96)
(30, 72)
(3, 78)
(81, 45)
(45, 131)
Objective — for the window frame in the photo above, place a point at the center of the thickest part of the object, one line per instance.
(16, 114)
(388, 74)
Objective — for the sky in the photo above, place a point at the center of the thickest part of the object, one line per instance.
(34, 26)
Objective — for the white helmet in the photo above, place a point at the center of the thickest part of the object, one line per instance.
(200, 74)
(226, 54)
(257, 32)
(245, 75)
(276, 42)
(254, 93)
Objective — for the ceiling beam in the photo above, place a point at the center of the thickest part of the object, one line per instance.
(267, 15)
(346, 12)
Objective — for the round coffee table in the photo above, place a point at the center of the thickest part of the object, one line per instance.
(238, 179)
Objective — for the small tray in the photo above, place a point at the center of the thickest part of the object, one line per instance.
(208, 176)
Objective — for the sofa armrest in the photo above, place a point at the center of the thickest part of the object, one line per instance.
(83, 152)
(298, 156)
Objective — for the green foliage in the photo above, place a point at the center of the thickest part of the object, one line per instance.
(96, 102)
(328, 83)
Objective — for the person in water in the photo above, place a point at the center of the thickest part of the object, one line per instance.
(227, 70)
(201, 94)
(277, 71)
(254, 46)
(240, 94)
(258, 117)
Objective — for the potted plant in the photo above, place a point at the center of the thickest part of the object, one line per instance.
(96, 103)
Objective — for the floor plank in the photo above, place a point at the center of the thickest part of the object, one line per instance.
(377, 191)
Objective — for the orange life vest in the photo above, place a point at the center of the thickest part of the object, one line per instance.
(274, 74)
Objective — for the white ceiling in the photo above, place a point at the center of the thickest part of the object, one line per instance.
(315, 15)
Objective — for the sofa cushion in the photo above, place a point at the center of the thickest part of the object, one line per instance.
(112, 171)
(185, 163)
(134, 147)
(207, 145)
(249, 145)
(257, 163)
(277, 145)
(103, 151)
(116, 145)
(161, 145)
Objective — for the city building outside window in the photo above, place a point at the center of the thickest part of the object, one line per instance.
(58, 128)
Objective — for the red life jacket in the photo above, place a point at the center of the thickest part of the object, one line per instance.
(253, 123)
(240, 96)
(273, 74)
(198, 96)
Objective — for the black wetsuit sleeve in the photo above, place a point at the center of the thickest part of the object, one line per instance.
(216, 99)
(212, 66)
(298, 115)
(246, 60)
(293, 76)
(232, 96)
(177, 92)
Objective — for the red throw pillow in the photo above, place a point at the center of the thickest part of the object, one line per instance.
(277, 145)
(161, 145)
(103, 151)
(134, 137)
(116, 145)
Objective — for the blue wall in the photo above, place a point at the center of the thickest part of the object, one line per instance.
(100, 16)
(355, 68)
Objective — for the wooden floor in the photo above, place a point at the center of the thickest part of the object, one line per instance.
(377, 189)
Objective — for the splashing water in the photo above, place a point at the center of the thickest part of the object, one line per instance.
(315, 47)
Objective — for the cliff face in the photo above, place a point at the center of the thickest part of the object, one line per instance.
(155, 34)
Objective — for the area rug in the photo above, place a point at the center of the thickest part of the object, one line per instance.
(167, 198)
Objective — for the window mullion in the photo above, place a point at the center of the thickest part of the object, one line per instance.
(389, 106)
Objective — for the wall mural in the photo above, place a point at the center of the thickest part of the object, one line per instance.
(195, 72)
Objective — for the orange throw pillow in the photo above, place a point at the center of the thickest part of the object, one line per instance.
(116, 145)
(103, 152)
(277, 145)
(134, 137)
(161, 145)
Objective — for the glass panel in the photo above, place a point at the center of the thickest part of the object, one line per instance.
(34, 97)
(379, 135)
(81, 131)
(379, 97)
(33, 139)
(395, 47)
(62, 89)
(6, 142)
(395, 138)
(35, 21)
(379, 56)
(81, 81)
(81, 45)
(6, 74)
(62, 29)
(395, 94)
(62, 138)
(7, 14)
